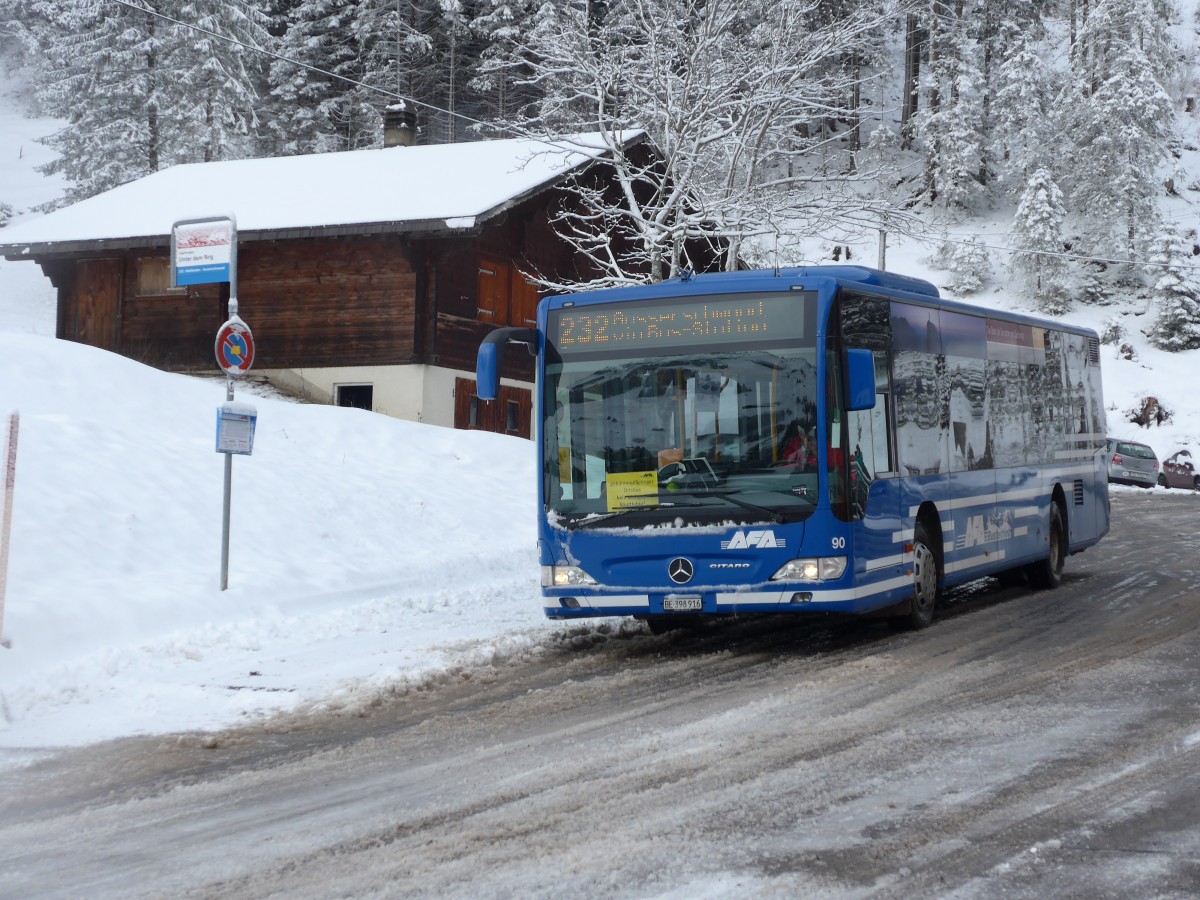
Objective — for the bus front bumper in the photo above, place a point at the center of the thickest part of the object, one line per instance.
(793, 597)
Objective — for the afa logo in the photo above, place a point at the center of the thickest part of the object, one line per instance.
(750, 540)
(985, 530)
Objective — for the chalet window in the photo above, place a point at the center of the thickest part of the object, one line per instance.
(506, 297)
(358, 396)
(154, 278)
(514, 411)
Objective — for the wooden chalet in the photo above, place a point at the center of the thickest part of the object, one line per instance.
(368, 277)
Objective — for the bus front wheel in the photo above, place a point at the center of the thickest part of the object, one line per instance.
(926, 577)
(1047, 573)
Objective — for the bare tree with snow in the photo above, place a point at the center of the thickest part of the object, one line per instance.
(740, 100)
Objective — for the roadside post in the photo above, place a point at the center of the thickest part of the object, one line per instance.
(204, 251)
(10, 483)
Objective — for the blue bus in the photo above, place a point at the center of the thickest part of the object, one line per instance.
(832, 439)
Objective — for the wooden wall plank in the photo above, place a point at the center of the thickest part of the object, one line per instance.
(98, 295)
(509, 413)
(329, 302)
(367, 300)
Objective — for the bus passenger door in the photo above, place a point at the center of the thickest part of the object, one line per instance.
(873, 482)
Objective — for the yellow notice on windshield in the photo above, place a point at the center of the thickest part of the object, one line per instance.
(631, 490)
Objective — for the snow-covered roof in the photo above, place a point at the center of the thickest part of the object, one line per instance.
(422, 188)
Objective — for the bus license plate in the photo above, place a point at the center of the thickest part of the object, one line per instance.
(682, 604)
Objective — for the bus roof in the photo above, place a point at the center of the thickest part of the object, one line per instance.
(859, 274)
(757, 279)
(778, 279)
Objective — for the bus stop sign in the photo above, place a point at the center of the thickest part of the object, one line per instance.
(235, 347)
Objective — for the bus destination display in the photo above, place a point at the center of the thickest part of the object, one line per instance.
(680, 323)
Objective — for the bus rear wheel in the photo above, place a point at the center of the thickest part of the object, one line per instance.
(926, 578)
(1047, 573)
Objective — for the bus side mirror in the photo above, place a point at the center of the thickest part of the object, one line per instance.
(487, 364)
(860, 379)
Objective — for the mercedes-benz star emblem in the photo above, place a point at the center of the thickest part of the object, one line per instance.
(680, 570)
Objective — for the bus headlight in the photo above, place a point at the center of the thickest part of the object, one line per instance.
(824, 568)
(565, 576)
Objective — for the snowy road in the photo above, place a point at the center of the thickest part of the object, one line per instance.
(1027, 745)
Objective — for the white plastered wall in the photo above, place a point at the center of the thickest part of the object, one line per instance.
(418, 393)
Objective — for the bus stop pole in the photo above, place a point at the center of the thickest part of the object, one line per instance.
(227, 501)
(10, 484)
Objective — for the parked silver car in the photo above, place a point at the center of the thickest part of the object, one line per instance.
(1132, 463)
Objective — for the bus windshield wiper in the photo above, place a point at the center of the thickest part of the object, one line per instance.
(773, 514)
(591, 521)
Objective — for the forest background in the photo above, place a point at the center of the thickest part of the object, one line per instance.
(789, 129)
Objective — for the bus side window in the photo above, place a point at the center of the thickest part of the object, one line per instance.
(834, 454)
(869, 446)
(869, 442)
(870, 429)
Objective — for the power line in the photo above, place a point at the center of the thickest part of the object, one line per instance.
(279, 56)
(1076, 257)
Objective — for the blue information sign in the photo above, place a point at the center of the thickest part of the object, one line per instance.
(203, 251)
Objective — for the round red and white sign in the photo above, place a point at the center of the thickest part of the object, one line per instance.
(235, 347)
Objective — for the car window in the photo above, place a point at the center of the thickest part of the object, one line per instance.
(1138, 451)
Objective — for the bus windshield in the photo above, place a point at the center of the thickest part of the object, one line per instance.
(682, 439)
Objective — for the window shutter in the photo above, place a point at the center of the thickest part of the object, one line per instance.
(493, 292)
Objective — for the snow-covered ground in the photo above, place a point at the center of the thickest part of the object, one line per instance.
(27, 299)
(366, 552)
(362, 547)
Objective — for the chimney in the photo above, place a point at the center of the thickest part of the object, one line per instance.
(400, 124)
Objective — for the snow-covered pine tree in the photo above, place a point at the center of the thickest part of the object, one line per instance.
(397, 46)
(457, 62)
(950, 129)
(218, 77)
(1024, 89)
(312, 112)
(1176, 293)
(22, 26)
(1037, 240)
(425, 51)
(1106, 28)
(101, 74)
(999, 26)
(502, 25)
(1117, 125)
(970, 266)
(140, 93)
